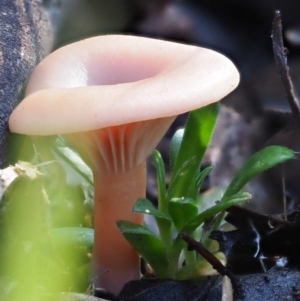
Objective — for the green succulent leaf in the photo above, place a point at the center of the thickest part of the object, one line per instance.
(237, 199)
(198, 181)
(182, 210)
(149, 246)
(175, 146)
(196, 138)
(201, 176)
(182, 172)
(256, 164)
(161, 181)
(161, 215)
(146, 207)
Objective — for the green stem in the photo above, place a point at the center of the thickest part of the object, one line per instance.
(161, 182)
(163, 225)
(174, 254)
(165, 232)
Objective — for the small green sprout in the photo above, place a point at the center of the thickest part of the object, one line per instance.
(179, 209)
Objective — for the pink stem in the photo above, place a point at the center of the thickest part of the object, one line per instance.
(115, 195)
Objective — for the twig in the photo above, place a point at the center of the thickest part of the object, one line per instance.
(214, 261)
(283, 192)
(280, 54)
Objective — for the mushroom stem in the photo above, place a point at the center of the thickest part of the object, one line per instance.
(115, 195)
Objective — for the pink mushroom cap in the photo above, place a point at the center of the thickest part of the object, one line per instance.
(123, 79)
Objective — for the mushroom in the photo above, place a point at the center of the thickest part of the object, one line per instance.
(113, 98)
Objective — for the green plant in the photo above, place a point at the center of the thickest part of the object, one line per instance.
(178, 207)
(45, 222)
